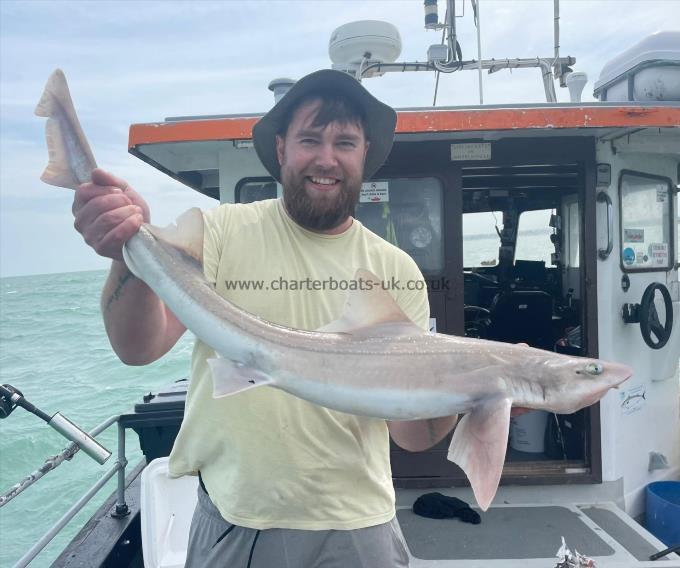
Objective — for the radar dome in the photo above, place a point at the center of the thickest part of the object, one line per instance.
(376, 40)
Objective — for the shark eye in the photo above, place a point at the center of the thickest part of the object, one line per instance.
(594, 368)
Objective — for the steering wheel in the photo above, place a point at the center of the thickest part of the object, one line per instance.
(477, 322)
(480, 277)
(649, 318)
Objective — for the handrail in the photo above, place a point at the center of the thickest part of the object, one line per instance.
(26, 559)
(51, 463)
(603, 197)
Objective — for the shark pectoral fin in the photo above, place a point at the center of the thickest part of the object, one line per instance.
(479, 444)
(231, 378)
(370, 310)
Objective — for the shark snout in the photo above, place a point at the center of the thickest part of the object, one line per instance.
(618, 373)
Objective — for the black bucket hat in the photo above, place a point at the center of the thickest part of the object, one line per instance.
(381, 119)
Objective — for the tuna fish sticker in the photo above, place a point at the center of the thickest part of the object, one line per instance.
(633, 399)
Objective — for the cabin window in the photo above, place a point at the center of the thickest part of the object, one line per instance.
(408, 213)
(481, 238)
(646, 222)
(533, 236)
(255, 189)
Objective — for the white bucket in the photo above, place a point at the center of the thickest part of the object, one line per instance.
(527, 431)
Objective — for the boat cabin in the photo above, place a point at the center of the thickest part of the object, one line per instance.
(521, 220)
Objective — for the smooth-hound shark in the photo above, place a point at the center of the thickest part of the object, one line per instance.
(372, 361)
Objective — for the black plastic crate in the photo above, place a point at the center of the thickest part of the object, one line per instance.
(157, 419)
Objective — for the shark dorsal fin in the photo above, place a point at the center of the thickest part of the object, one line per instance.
(370, 307)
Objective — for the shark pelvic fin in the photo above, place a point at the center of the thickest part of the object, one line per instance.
(56, 104)
(479, 444)
(230, 377)
(371, 310)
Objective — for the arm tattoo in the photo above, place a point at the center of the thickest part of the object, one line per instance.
(118, 292)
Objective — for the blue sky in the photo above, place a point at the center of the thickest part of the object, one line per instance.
(130, 62)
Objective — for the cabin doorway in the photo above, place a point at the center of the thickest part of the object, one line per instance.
(508, 235)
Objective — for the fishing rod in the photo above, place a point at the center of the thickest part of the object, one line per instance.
(11, 397)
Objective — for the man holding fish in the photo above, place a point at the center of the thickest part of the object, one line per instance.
(284, 482)
(306, 476)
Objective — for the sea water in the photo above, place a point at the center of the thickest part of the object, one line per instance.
(53, 348)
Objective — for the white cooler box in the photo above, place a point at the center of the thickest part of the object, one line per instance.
(167, 507)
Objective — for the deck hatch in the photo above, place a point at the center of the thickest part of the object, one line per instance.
(628, 538)
(539, 536)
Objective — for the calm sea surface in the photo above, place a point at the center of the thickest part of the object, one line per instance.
(54, 349)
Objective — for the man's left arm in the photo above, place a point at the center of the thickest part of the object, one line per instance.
(419, 435)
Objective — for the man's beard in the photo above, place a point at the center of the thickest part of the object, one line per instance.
(324, 213)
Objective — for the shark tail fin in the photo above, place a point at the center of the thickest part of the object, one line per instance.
(57, 106)
(479, 444)
(231, 378)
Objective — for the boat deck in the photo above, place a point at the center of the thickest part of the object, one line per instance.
(525, 527)
(513, 532)
(529, 536)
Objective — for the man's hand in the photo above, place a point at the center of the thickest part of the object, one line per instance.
(107, 213)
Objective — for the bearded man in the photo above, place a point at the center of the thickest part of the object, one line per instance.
(283, 482)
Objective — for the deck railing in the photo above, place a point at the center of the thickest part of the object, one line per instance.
(121, 508)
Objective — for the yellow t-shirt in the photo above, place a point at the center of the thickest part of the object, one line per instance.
(269, 459)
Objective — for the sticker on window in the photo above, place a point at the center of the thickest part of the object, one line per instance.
(658, 253)
(628, 256)
(374, 192)
(634, 235)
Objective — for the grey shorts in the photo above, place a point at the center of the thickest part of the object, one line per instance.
(213, 542)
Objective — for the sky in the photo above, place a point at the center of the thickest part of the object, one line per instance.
(134, 62)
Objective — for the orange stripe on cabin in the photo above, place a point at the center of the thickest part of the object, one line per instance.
(435, 120)
(192, 130)
(551, 117)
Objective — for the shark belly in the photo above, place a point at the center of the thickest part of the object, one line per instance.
(375, 401)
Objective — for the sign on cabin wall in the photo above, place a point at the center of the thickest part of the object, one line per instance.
(470, 151)
(374, 192)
